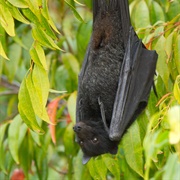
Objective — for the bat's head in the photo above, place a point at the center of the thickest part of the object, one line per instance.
(94, 139)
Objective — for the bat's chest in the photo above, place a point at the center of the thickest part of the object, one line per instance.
(101, 76)
(101, 80)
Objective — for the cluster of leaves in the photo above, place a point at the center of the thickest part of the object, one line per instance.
(31, 56)
(151, 11)
(32, 43)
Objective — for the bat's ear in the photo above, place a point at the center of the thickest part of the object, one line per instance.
(85, 159)
(114, 150)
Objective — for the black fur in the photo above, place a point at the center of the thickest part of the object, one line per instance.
(93, 139)
(106, 52)
(114, 82)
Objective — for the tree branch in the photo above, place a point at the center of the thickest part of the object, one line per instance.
(13, 87)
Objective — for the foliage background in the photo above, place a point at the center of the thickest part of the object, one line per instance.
(42, 46)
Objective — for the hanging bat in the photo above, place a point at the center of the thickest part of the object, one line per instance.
(114, 82)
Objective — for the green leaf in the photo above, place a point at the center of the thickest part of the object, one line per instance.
(13, 136)
(41, 163)
(174, 122)
(83, 37)
(31, 16)
(22, 133)
(38, 55)
(72, 66)
(76, 14)
(68, 139)
(173, 9)
(43, 38)
(35, 137)
(92, 169)
(45, 13)
(177, 52)
(168, 46)
(82, 171)
(2, 132)
(112, 165)
(132, 11)
(19, 3)
(40, 21)
(26, 110)
(41, 83)
(2, 52)
(69, 77)
(154, 141)
(171, 169)
(156, 12)
(71, 104)
(145, 34)
(78, 163)
(126, 171)
(34, 5)
(25, 40)
(139, 19)
(16, 14)
(7, 160)
(100, 167)
(133, 149)
(176, 90)
(153, 123)
(143, 121)
(26, 154)
(2, 152)
(6, 20)
(162, 67)
(46, 27)
(38, 87)
(12, 65)
(159, 31)
(62, 73)
(171, 54)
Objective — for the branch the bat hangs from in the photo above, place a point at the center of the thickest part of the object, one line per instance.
(114, 82)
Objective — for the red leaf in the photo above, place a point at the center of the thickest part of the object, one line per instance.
(18, 174)
(68, 119)
(52, 109)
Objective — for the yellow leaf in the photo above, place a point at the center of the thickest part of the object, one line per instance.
(2, 52)
(6, 20)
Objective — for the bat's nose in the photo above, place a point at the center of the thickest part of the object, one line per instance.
(77, 128)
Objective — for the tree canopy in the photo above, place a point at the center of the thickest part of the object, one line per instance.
(42, 46)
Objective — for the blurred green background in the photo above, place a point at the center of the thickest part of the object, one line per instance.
(42, 47)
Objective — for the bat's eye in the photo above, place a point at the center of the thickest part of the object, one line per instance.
(95, 140)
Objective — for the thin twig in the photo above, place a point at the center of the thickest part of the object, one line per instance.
(13, 87)
(4, 82)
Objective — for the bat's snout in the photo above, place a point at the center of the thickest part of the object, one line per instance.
(77, 128)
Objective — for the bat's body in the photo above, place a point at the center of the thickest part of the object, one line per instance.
(105, 57)
(109, 98)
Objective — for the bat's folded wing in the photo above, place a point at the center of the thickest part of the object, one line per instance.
(79, 114)
(135, 82)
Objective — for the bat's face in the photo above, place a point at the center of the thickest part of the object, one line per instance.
(94, 140)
